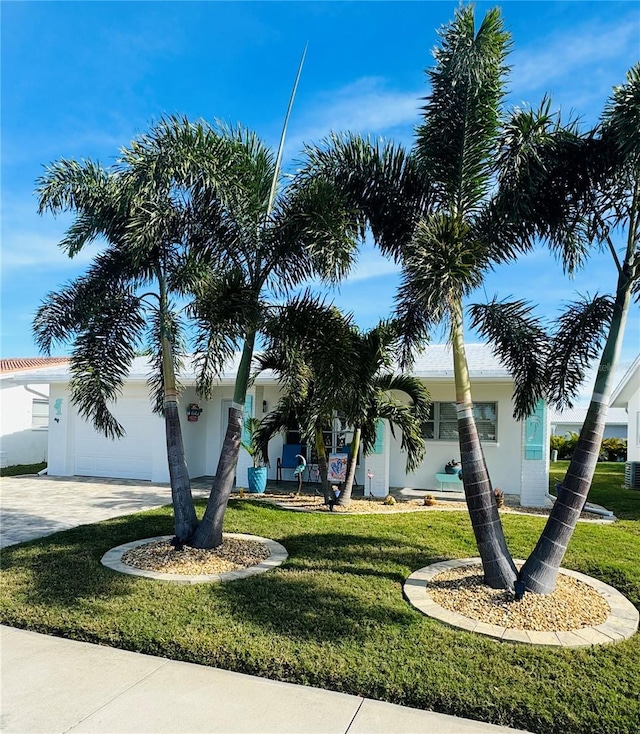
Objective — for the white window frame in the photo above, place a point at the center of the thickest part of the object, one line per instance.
(435, 424)
(35, 415)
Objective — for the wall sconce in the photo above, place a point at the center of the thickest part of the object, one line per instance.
(193, 412)
(264, 406)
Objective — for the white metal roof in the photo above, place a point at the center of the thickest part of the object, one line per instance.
(435, 363)
(615, 416)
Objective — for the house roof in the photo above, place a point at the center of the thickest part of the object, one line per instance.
(435, 363)
(615, 416)
(628, 385)
(21, 364)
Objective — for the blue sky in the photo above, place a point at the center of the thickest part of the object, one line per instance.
(81, 79)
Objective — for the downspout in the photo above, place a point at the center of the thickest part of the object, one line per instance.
(35, 392)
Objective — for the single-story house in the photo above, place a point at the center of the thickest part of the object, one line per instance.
(570, 420)
(24, 411)
(626, 396)
(516, 452)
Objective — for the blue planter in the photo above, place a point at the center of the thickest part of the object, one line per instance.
(452, 469)
(257, 476)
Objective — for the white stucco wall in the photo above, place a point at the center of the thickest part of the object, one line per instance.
(19, 442)
(503, 457)
(633, 440)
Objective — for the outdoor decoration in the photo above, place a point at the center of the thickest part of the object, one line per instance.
(193, 412)
(370, 476)
(452, 467)
(337, 467)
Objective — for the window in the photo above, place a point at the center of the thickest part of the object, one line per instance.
(39, 413)
(443, 421)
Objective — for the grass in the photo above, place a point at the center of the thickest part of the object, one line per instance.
(17, 469)
(334, 617)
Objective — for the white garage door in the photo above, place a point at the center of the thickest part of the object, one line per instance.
(130, 457)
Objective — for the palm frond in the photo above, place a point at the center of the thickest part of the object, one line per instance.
(102, 355)
(577, 341)
(521, 342)
(457, 138)
(173, 326)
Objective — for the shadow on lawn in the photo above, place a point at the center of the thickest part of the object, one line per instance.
(315, 606)
(65, 569)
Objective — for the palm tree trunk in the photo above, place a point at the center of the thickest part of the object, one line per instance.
(209, 533)
(499, 570)
(345, 495)
(540, 571)
(184, 514)
(323, 469)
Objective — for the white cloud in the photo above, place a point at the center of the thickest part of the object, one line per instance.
(366, 106)
(579, 58)
(33, 250)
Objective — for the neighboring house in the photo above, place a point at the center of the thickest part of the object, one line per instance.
(627, 397)
(516, 452)
(24, 410)
(571, 420)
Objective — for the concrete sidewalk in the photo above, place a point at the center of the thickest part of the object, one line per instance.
(51, 685)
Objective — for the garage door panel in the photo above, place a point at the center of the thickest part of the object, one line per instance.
(130, 457)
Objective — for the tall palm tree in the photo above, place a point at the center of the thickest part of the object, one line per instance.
(328, 367)
(584, 192)
(433, 210)
(252, 240)
(103, 313)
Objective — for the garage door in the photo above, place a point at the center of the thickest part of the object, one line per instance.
(130, 457)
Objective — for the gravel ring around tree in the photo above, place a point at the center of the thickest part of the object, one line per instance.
(582, 611)
(241, 555)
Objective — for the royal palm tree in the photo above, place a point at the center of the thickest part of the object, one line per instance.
(433, 210)
(103, 312)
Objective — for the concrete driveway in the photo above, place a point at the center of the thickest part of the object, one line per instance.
(32, 506)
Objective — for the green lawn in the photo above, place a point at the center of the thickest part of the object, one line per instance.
(333, 616)
(17, 469)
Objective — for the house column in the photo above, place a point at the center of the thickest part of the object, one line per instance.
(534, 478)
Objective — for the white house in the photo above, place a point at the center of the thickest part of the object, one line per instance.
(626, 396)
(24, 411)
(516, 452)
(571, 420)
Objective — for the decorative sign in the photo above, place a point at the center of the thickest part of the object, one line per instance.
(379, 443)
(534, 434)
(246, 413)
(337, 470)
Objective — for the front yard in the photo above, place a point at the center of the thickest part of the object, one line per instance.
(333, 615)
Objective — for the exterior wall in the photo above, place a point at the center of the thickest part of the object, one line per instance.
(203, 442)
(503, 457)
(633, 441)
(20, 443)
(378, 465)
(194, 433)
